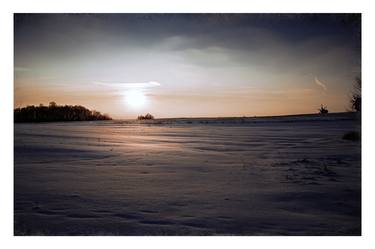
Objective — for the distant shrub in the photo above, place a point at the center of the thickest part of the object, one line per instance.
(53, 113)
(352, 136)
(148, 116)
(323, 109)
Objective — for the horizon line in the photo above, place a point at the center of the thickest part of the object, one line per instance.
(255, 116)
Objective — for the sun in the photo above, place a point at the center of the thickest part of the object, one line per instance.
(135, 98)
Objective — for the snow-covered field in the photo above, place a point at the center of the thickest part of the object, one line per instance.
(234, 176)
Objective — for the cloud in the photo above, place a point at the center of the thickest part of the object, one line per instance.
(21, 69)
(128, 84)
(321, 84)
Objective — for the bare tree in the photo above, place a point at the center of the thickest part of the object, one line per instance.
(356, 98)
(323, 109)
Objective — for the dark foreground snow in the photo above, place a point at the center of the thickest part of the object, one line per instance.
(282, 176)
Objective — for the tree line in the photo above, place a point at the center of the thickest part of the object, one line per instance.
(54, 112)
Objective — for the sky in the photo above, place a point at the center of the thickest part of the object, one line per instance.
(187, 65)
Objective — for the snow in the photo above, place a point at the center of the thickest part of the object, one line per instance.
(225, 176)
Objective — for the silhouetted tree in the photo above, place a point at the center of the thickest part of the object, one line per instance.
(356, 98)
(53, 112)
(323, 109)
(147, 116)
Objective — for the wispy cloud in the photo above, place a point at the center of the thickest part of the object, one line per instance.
(128, 84)
(321, 84)
(21, 69)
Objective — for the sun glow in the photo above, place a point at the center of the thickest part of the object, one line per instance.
(135, 98)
